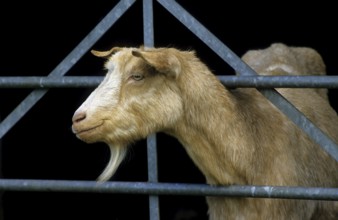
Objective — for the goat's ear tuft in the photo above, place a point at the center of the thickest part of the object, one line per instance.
(105, 53)
(163, 61)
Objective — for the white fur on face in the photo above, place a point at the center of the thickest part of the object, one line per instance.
(105, 97)
(106, 94)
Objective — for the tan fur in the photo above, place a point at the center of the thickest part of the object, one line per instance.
(233, 136)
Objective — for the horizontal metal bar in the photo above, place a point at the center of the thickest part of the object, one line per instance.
(50, 82)
(330, 82)
(311, 193)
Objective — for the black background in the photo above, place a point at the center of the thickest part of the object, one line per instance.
(36, 36)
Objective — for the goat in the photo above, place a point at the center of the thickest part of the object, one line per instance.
(233, 136)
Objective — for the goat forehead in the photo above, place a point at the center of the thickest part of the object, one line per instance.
(109, 65)
(113, 61)
(123, 61)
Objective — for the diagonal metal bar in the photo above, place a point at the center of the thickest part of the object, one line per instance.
(242, 68)
(65, 65)
(302, 121)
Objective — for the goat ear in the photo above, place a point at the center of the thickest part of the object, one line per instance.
(162, 61)
(105, 53)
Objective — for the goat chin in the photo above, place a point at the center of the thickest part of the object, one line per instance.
(117, 154)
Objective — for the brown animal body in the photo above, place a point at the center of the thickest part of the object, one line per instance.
(233, 136)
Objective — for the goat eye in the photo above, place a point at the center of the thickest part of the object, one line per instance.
(137, 77)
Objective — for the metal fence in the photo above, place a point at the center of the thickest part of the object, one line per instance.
(247, 78)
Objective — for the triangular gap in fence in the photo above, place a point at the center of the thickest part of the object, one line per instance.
(67, 63)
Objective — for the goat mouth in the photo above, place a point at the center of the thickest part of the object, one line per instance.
(81, 132)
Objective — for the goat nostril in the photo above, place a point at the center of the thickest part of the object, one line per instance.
(79, 117)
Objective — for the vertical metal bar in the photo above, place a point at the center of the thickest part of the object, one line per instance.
(154, 207)
(242, 68)
(148, 38)
(1, 192)
(66, 64)
(148, 23)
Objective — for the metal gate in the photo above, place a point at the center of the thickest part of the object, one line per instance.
(153, 188)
